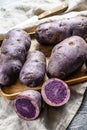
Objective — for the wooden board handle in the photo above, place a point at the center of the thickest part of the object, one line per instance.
(76, 80)
(53, 11)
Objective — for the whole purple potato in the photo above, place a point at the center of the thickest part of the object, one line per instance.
(55, 92)
(14, 49)
(28, 104)
(33, 71)
(54, 32)
(9, 70)
(16, 44)
(21, 36)
(66, 57)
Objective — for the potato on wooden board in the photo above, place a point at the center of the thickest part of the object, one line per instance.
(9, 70)
(54, 32)
(14, 49)
(13, 53)
(33, 71)
(66, 57)
(16, 44)
(21, 36)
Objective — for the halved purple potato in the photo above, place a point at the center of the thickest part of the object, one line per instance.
(33, 71)
(28, 104)
(55, 92)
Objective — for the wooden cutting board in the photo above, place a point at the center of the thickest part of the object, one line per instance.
(12, 91)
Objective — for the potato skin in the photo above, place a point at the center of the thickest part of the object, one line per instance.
(21, 36)
(54, 32)
(33, 71)
(16, 44)
(9, 70)
(14, 49)
(13, 53)
(66, 57)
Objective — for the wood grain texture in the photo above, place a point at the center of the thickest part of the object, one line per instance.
(80, 120)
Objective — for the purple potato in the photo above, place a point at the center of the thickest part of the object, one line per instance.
(55, 92)
(67, 57)
(54, 32)
(33, 71)
(13, 54)
(14, 49)
(21, 36)
(28, 104)
(9, 70)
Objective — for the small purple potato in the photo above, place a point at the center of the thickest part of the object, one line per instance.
(33, 71)
(14, 49)
(28, 104)
(21, 36)
(55, 92)
(66, 57)
(9, 70)
(54, 32)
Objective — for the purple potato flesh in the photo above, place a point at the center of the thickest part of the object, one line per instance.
(55, 92)
(54, 32)
(28, 104)
(33, 71)
(66, 57)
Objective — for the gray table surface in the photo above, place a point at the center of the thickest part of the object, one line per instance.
(79, 122)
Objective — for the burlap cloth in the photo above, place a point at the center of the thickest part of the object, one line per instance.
(50, 118)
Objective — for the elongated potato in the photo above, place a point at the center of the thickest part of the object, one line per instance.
(67, 57)
(54, 32)
(33, 71)
(14, 49)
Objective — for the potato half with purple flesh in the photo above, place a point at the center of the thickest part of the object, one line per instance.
(54, 32)
(28, 104)
(33, 71)
(55, 92)
(66, 57)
